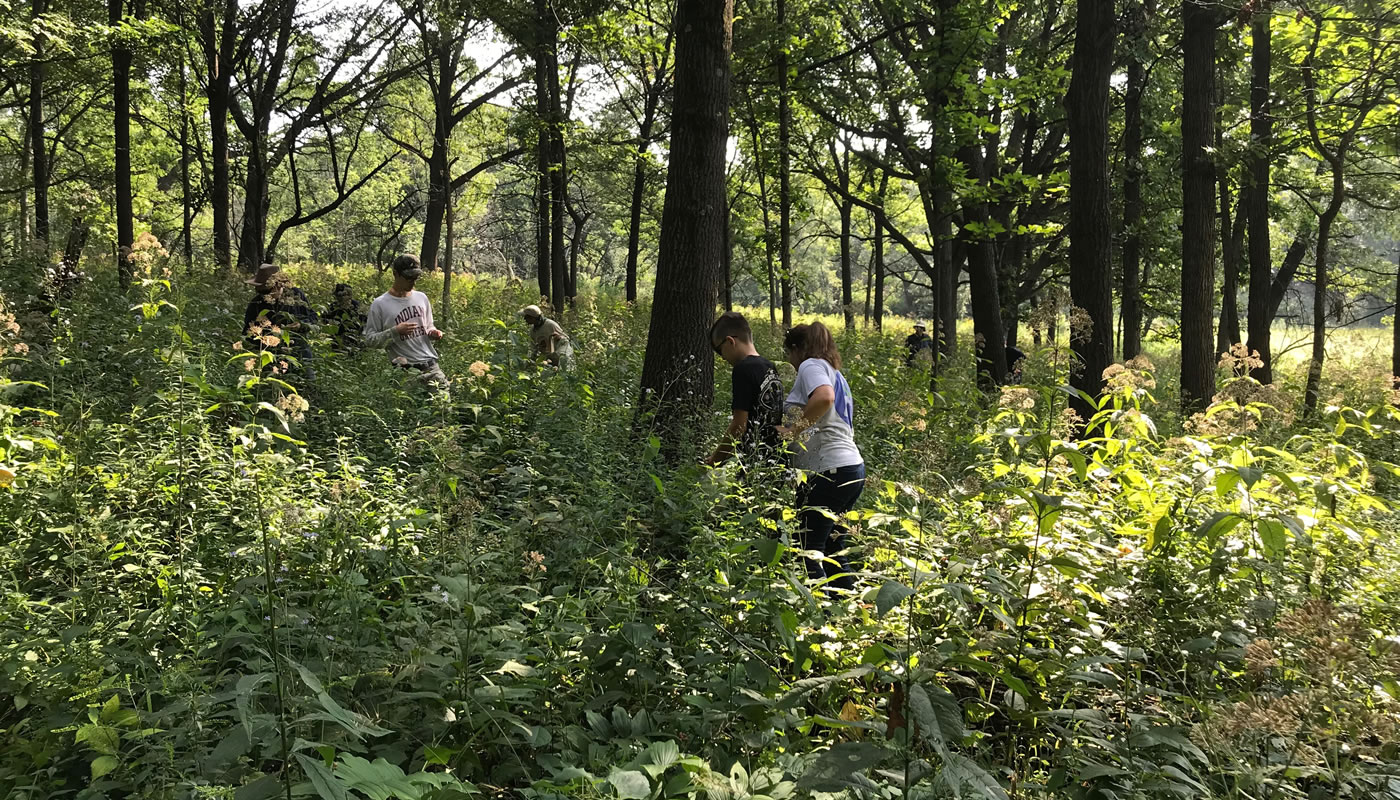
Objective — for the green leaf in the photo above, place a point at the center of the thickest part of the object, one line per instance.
(378, 781)
(264, 788)
(630, 784)
(960, 772)
(937, 714)
(102, 765)
(1274, 537)
(322, 780)
(832, 770)
(664, 754)
(891, 594)
(1219, 524)
(101, 738)
(1093, 771)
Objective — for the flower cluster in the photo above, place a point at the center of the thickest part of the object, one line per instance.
(9, 333)
(1240, 360)
(534, 563)
(294, 406)
(1017, 398)
(147, 257)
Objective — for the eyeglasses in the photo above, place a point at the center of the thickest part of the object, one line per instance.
(719, 346)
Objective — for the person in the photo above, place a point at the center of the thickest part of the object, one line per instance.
(279, 319)
(824, 449)
(547, 338)
(1014, 359)
(757, 402)
(917, 343)
(401, 320)
(348, 316)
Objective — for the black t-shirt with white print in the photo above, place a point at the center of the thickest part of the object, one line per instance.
(759, 391)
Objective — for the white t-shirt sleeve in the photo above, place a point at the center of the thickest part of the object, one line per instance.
(812, 375)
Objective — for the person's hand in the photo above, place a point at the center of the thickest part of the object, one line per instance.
(406, 328)
(435, 334)
(786, 432)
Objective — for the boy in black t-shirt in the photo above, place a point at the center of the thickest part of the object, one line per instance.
(758, 394)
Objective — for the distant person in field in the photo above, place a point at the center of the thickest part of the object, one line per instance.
(1015, 359)
(917, 343)
(547, 339)
(347, 315)
(279, 319)
(824, 448)
(757, 403)
(401, 320)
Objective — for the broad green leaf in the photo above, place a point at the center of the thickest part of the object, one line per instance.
(937, 714)
(891, 594)
(102, 738)
(103, 765)
(1219, 524)
(831, 770)
(630, 784)
(322, 780)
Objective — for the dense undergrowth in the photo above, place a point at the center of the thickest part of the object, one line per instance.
(211, 590)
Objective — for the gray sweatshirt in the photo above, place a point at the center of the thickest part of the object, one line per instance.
(387, 311)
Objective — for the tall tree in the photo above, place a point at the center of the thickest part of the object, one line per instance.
(1197, 204)
(1360, 95)
(1135, 38)
(219, 38)
(459, 87)
(1257, 193)
(307, 92)
(678, 367)
(1090, 241)
(784, 165)
(542, 49)
(117, 11)
(39, 155)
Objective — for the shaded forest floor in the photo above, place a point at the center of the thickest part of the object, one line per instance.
(211, 591)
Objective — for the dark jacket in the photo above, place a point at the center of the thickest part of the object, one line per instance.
(283, 308)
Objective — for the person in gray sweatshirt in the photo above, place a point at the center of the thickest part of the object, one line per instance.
(401, 320)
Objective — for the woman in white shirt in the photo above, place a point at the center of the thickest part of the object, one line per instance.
(824, 448)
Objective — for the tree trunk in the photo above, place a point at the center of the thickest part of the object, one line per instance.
(448, 257)
(784, 167)
(39, 156)
(1313, 390)
(121, 124)
(879, 245)
(256, 201)
(1395, 330)
(947, 259)
(558, 179)
(767, 220)
(1261, 142)
(982, 280)
(1197, 205)
(218, 51)
(1136, 23)
(26, 222)
(639, 180)
(544, 269)
(728, 255)
(439, 179)
(186, 209)
(847, 302)
(1231, 246)
(1090, 240)
(677, 372)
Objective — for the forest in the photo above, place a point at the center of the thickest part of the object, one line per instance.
(700, 399)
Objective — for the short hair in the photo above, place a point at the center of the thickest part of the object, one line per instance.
(731, 323)
(812, 340)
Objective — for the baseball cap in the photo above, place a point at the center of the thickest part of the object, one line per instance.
(407, 265)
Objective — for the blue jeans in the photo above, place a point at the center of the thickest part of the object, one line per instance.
(833, 493)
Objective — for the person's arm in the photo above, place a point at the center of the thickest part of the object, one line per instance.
(376, 333)
(725, 450)
(819, 402)
(429, 327)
